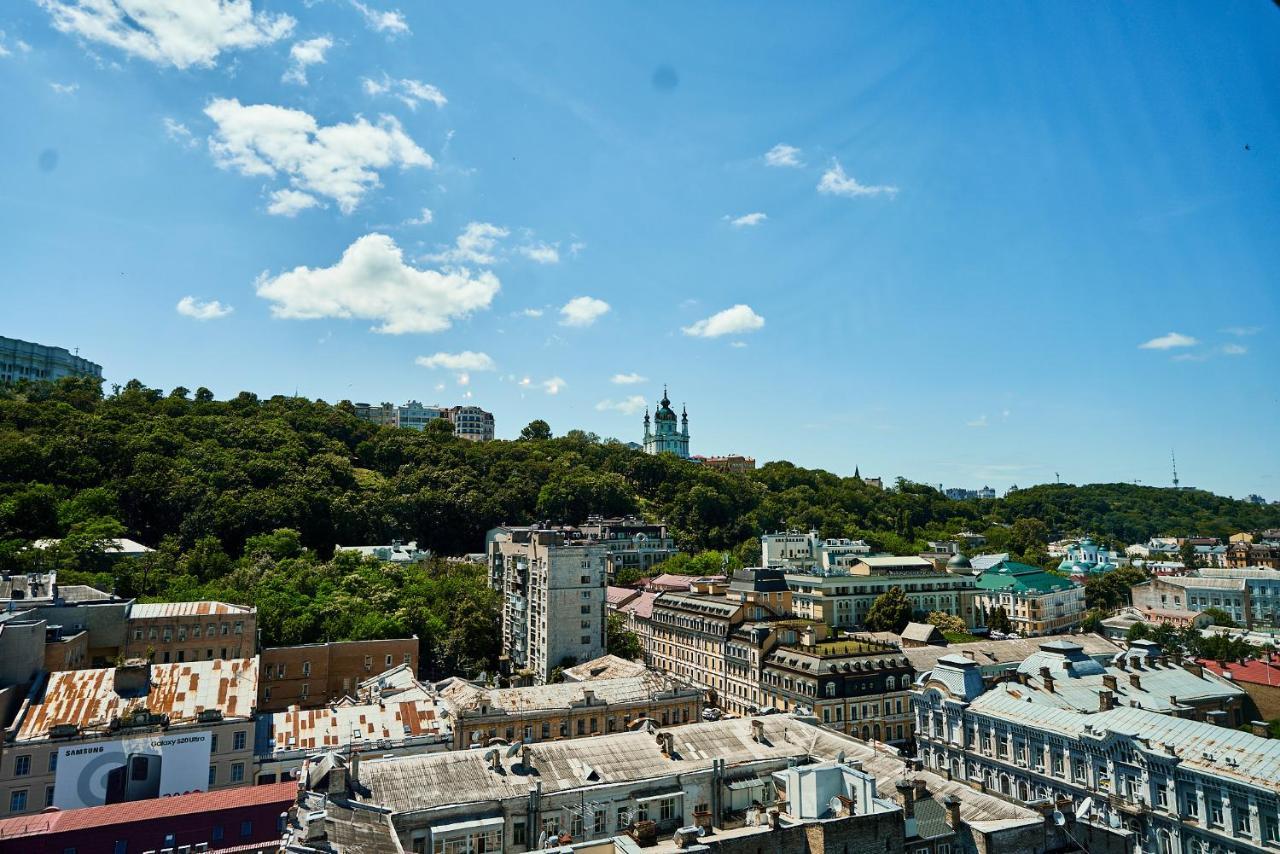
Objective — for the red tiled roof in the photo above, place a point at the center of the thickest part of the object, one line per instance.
(1253, 671)
(88, 818)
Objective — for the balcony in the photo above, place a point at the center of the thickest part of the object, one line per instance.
(1128, 807)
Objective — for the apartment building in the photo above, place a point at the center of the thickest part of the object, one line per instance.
(317, 674)
(1176, 785)
(808, 552)
(567, 709)
(1196, 593)
(471, 423)
(26, 360)
(1037, 602)
(630, 542)
(1263, 586)
(165, 632)
(842, 600)
(1242, 554)
(553, 585)
(138, 731)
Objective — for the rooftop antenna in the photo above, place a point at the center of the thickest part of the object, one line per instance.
(1174, 459)
(1057, 477)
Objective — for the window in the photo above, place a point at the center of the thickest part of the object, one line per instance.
(306, 668)
(1215, 813)
(226, 629)
(48, 796)
(586, 609)
(622, 818)
(368, 662)
(239, 628)
(389, 659)
(238, 740)
(666, 809)
(518, 834)
(408, 658)
(306, 690)
(213, 743)
(22, 765)
(246, 828)
(546, 730)
(121, 847)
(18, 801)
(237, 772)
(586, 641)
(1242, 820)
(266, 694)
(1192, 807)
(213, 774)
(216, 833)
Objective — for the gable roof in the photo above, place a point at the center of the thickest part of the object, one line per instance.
(1021, 578)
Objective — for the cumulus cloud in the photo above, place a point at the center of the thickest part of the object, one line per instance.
(732, 321)
(181, 33)
(290, 202)
(372, 281)
(628, 379)
(542, 253)
(553, 385)
(409, 92)
(194, 308)
(582, 311)
(304, 54)
(747, 219)
(391, 22)
(783, 155)
(627, 406)
(1169, 341)
(467, 360)
(477, 244)
(424, 218)
(836, 183)
(65, 88)
(340, 161)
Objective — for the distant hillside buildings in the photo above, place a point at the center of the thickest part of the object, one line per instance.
(469, 422)
(26, 360)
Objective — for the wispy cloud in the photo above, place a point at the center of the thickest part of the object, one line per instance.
(477, 244)
(1191, 357)
(628, 379)
(409, 92)
(197, 310)
(18, 43)
(1169, 341)
(836, 183)
(783, 155)
(980, 421)
(738, 319)
(746, 219)
(553, 385)
(1234, 349)
(424, 218)
(65, 88)
(541, 253)
(392, 22)
(532, 312)
(179, 133)
(582, 311)
(627, 406)
(1242, 331)
(467, 360)
(302, 56)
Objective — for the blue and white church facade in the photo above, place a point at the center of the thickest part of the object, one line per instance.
(664, 435)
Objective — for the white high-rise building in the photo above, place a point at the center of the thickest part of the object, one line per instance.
(810, 553)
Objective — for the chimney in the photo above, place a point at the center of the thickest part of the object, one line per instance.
(1173, 699)
(1122, 663)
(922, 789)
(1044, 672)
(952, 805)
(1109, 681)
(1048, 681)
(666, 741)
(354, 773)
(1138, 661)
(588, 696)
(1260, 728)
(526, 757)
(1106, 700)
(1135, 680)
(133, 678)
(757, 730)
(1194, 668)
(907, 797)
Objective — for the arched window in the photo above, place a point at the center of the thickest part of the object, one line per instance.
(890, 683)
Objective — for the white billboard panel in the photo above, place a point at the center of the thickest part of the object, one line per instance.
(131, 769)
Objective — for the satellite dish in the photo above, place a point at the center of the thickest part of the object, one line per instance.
(514, 749)
(835, 804)
(1085, 808)
(1114, 821)
(1058, 818)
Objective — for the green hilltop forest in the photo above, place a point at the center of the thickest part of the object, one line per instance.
(244, 500)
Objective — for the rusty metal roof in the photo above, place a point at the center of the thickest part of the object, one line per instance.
(152, 610)
(88, 698)
(339, 726)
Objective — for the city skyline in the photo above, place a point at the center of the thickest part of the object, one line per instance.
(891, 254)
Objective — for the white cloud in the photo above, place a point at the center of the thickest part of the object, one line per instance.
(980, 421)
(181, 33)
(65, 88)
(525, 382)
(738, 345)
(748, 219)
(1191, 357)
(836, 183)
(19, 44)
(475, 245)
(211, 310)
(467, 360)
(1234, 349)
(576, 247)
(738, 319)
(628, 379)
(424, 218)
(532, 312)
(783, 155)
(582, 311)
(290, 202)
(337, 161)
(391, 22)
(627, 406)
(1169, 342)
(373, 282)
(553, 385)
(179, 133)
(542, 253)
(304, 54)
(409, 92)
(1242, 331)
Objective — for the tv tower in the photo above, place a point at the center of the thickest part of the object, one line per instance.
(1174, 459)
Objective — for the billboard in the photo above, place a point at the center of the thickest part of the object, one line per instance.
(131, 769)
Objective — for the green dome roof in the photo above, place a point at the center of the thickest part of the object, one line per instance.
(959, 561)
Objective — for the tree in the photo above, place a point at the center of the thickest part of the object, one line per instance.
(536, 430)
(947, 622)
(1220, 617)
(998, 620)
(1138, 631)
(890, 612)
(621, 641)
(1092, 621)
(1188, 554)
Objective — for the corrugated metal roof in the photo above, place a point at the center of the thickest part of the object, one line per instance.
(605, 667)
(464, 696)
(989, 652)
(152, 610)
(339, 726)
(88, 698)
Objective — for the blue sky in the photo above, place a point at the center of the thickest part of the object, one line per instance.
(928, 240)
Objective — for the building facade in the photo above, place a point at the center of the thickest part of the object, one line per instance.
(316, 674)
(630, 542)
(666, 436)
(553, 585)
(843, 599)
(808, 552)
(471, 423)
(729, 463)
(1036, 602)
(1195, 593)
(26, 360)
(165, 632)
